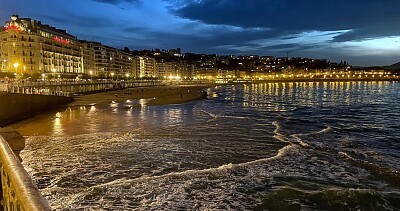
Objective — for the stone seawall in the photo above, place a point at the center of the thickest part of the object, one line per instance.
(16, 107)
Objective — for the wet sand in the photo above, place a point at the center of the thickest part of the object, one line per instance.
(159, 95)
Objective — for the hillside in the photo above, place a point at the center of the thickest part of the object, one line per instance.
(395, 66)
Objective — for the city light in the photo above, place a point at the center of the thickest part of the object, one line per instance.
(16, 64)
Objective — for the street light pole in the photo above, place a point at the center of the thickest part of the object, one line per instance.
(16, 64)
(4, 65)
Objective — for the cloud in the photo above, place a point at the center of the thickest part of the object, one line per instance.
(78, 20)
(116, 2)
(363, 16)
(377, 31)
(331, 29)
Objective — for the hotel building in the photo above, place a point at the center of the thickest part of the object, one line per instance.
(30, 47)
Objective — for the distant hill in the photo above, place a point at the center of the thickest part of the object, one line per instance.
(393, 66)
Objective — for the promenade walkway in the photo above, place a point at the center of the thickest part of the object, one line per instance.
(71, 88)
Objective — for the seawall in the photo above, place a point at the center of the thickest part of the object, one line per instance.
(16, 107)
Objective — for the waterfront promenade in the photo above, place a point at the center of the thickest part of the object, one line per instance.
(70, 88)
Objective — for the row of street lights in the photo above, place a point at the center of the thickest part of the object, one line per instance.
(16, 65)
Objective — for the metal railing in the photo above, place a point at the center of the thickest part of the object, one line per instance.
(18, 190)
(69, 88)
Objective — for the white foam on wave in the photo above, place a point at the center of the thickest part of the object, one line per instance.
(278, 135)
(298, 137)
(116, 189)
(210, 114)
(235, 117)
(325, 130)
(215, 116)
(281, 152)
(299, 140)
(211, 186)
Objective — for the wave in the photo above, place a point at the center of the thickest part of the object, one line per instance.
(392, 176)
(290, 198)
(170, 190)
(188, 174)
(210, 114)
(298, 139)
(215, 116)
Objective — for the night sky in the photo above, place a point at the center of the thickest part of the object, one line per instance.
(362, 32)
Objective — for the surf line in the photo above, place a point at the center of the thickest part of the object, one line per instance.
(190, 173)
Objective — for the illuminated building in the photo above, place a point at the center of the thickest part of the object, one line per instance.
(30, 47)
(38, 48)
(165, 69)
(147, 67)
(109, 60)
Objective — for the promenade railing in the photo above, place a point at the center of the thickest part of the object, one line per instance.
(18, 191)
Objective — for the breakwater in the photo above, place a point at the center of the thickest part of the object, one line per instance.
(16, 107)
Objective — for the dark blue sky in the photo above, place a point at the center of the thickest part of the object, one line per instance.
(362, 32)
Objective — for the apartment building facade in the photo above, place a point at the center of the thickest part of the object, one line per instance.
(29, 47)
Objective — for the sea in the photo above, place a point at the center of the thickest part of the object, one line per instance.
(263, 146)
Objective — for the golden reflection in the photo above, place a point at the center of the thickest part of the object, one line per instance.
(92, 109)
(57, 125)
(93, 121)
(142, 102)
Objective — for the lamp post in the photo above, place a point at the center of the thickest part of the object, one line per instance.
(91, 74)
(4, 65)
(112, 76)
(16, 64)
(127, 76)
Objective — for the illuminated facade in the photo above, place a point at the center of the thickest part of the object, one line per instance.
(30, 47)
(110, 61)
(147, 67)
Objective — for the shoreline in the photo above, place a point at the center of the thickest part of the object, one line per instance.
(156, 95)
(176, 94)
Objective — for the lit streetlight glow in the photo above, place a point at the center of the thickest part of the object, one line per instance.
(16, 64)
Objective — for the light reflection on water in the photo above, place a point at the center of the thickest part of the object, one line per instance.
(285, 143)
(266, 97)
(312, 93)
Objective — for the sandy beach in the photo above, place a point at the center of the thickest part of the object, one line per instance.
(157, 95)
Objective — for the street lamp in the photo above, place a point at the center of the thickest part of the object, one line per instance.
(91, 74)
(16, 69)
(127, 76)
(112, 76)
(4, 65)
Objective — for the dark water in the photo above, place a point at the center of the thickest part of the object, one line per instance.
(276, 146)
